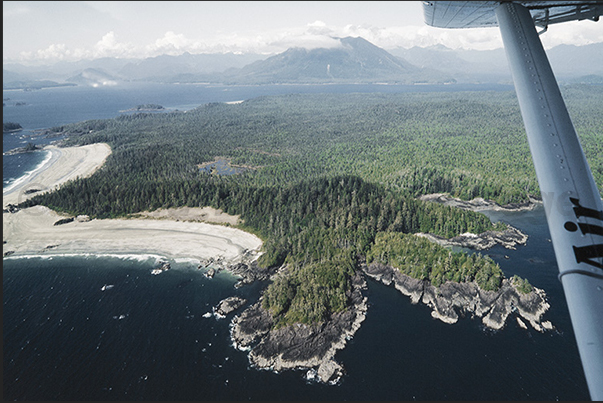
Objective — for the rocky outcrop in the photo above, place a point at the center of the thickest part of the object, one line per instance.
(300, 346)
(478, 204)
(83, 218)
(163, 266)
(228, 305)
(11, 208)
(247, 269)
(64, 221)
(451, 299)
(249, 272)
(508, 238)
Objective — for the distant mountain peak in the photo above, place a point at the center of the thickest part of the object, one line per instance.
(357, 60)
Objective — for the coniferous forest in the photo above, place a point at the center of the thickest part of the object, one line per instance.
(330, 180)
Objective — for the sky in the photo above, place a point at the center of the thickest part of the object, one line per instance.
(50, 31)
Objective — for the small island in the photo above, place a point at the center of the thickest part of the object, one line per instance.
(145, 108)
(9, 127)
(29, 147)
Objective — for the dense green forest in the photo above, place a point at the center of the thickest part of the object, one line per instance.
(329, 175)
(422, 259)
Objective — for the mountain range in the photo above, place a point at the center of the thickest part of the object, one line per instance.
(355, 60)
(569, 62)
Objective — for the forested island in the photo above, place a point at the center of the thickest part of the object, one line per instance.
(145, 108)
(335, 194)
(8, 127)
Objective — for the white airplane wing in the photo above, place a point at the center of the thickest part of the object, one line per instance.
(570, 196)
(473, 14)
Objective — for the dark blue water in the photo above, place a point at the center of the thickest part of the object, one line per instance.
(147, 337)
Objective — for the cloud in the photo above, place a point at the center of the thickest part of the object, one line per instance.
(53, 52)
(172, 44)
(414, 35)
(319, 28)
(108, 46)
(573, 32)
(313, 35)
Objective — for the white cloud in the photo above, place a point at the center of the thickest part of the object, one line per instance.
(319, 28)
(311, 35)
(414, 35)
(108, 46)
(53, 52)
(573, 32)
(171, 44)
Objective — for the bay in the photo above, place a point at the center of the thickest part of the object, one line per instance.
(146, 338)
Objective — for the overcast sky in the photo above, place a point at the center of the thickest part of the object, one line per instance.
(72, 30)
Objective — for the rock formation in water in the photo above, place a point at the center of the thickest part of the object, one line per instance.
(229, 305)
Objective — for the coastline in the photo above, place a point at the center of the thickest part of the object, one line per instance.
(25, 178)
(478, 204)
(32, 231)
(180, 234)
(60, 166)
(452, 300)
(509, 238)
(308, 347)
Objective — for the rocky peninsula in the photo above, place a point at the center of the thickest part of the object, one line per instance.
(452, 299)
(509, 238)
(300, 346)
(478, 204)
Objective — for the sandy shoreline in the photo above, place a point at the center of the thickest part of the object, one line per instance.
(60, 166)
(31, 231)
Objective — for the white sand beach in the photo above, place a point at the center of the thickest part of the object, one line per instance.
(61, 165)
(32, 231)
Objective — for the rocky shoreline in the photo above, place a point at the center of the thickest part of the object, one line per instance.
(312, 347)
(479, 204)
(508, 238)
(247, 269)
(300, 346)
(453, 299)
(228, 305)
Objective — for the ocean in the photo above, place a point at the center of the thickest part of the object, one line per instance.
(69, 335)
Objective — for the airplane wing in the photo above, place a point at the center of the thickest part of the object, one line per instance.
(474, 14)
(570, 196)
